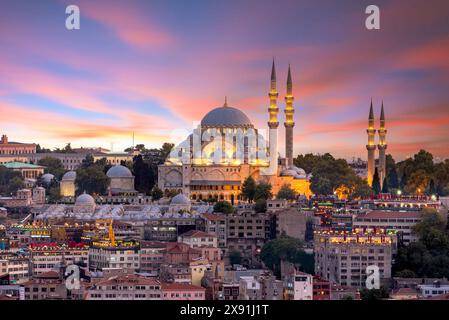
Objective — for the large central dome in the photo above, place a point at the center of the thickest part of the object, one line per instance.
(227, 117)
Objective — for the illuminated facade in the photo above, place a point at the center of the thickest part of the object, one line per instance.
(342, 257)
(45, 257)
(217, 168)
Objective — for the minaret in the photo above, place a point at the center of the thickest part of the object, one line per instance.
(382, 146)
(273, 124)
(371, 147)
(289, 123)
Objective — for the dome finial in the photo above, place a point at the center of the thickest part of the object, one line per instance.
(225, 102)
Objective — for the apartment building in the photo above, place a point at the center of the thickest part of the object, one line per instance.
(401, 221)
(45, 257)
(343, 258)
(125, 287)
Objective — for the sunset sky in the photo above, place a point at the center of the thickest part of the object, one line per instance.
(156, 66)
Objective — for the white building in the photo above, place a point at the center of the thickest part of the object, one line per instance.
(125, 287)
(45, 257)
(197, 239)
(123, 255)
(344, 258)
(299, 286)
(431, 290)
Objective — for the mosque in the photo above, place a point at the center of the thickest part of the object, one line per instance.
(202, 178)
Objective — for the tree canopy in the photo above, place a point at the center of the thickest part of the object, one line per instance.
(223, 207)
(428, 257)
(10, 181)
(288, 249)
(249, 189)
(286, 193)
(53, 166)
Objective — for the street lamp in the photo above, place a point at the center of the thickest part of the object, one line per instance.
(399, 192)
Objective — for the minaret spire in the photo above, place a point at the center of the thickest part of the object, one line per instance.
(225, 102)
(289, 82)
(273, 123)
(371, 146)
(382, 146)
(289, 122)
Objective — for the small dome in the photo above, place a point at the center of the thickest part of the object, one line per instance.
(47, 177)
(70, 175)
(289, 173)
(119, 171)
(299, 171)
(180, 199)
(85, 200)
(226, 117)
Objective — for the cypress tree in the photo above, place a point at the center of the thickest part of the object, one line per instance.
(393, 180)
(376, 182)
(385, 187)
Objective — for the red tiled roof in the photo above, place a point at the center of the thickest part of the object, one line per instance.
(381, 214)
(181, 287)
(129, 279)
(213, 217)
(152, 244)
(197, 234)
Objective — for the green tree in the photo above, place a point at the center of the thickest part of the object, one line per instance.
(165, 150)
(143, 175)
(235, 257)
(286, 193)
(403, 182)
(53, 194)
(91, 180)
(223, 207)
(385, 188)
(15, 184)
(361, 190)
(263, 191)
(284, 248)
(321, 185)
(87, 162)
(376, 182)
(308, 162)
(406, 274)
(374, 294)
(156, 193)
(329, 174)
(53, 166)
(431, 190)
(249, 189)
(418, 182)
(10, 181)
(260, 206)
(392, 178)
(428, 257)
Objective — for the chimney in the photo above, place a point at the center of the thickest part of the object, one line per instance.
(4, 139)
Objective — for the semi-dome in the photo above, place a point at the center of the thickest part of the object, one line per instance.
(47, 177)
(226, 117)
(180, 199)
(70, 175)
(119, 171)
(85, 200)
